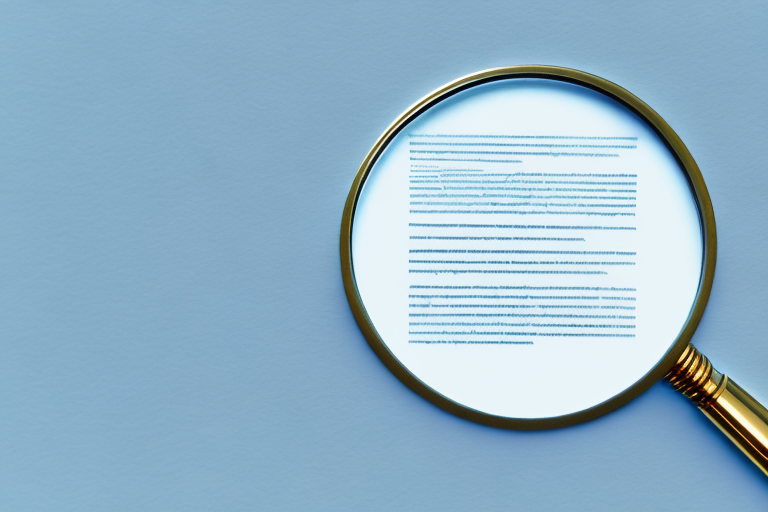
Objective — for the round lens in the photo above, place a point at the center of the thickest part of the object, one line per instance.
(526, 248)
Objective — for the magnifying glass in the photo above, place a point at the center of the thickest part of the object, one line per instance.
(532, 247)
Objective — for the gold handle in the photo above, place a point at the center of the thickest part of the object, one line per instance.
(732, 409)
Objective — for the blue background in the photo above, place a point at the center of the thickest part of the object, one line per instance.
(174, 333)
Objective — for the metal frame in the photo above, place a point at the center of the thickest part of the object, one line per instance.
(673, 143)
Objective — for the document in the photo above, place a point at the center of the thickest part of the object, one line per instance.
(515, 238)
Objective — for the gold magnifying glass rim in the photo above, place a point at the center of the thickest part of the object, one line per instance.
(675, 146)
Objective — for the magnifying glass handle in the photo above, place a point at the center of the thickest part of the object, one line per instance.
(742, 418)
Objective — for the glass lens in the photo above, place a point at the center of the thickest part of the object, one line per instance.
(527, 248)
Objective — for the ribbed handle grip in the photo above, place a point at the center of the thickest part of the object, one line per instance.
(732, 409)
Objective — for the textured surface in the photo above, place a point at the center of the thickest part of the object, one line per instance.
(173, 329)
